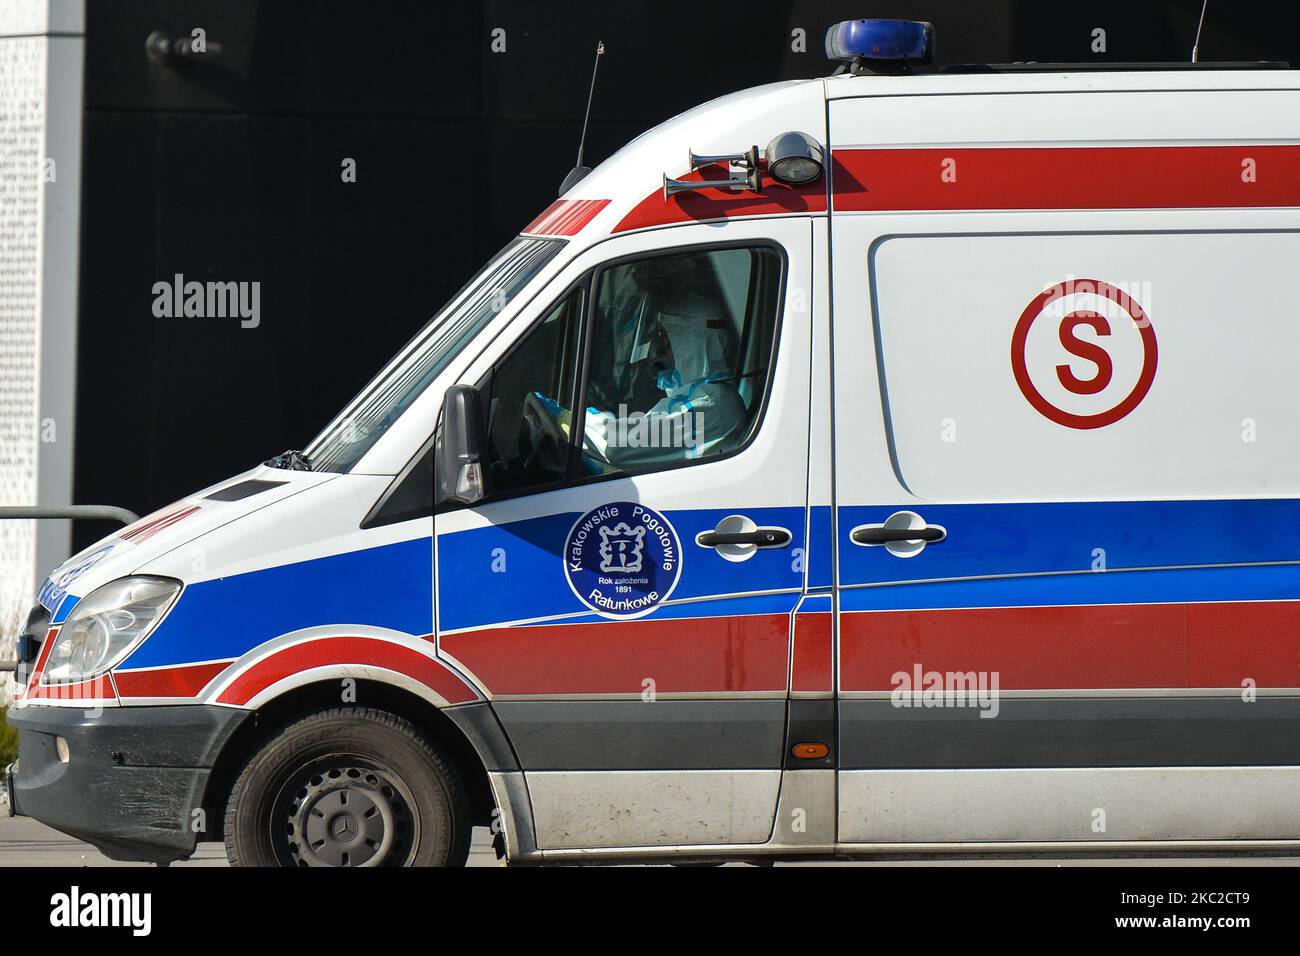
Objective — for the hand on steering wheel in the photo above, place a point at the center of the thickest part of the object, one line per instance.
(544, 434)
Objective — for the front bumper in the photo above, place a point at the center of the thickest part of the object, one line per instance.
(134, 778)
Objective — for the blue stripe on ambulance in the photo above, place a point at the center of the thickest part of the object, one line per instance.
(990, 539)
(390, 587)
(533, 554)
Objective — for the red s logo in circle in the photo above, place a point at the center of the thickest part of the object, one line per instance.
(1091, 351)
(1085, 350)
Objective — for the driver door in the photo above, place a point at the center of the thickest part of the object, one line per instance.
(623, 595)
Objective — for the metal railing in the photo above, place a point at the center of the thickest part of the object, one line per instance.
(73, 512)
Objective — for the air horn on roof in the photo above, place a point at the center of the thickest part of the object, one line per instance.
(751, 178)
(792, 159)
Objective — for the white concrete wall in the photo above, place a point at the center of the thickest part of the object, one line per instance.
(42, 45)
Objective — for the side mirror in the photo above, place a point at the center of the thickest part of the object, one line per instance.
(459, 469)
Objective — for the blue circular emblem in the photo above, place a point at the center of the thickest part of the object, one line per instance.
(622, 560)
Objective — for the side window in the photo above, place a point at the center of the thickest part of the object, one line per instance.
(680, 357)
(527, 397)
(679, 353)
(410, 497)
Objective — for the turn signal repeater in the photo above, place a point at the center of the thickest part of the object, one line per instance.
(811, 751)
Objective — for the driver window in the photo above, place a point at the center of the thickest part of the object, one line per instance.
(681, 348)
(528, 396)
(678, 361)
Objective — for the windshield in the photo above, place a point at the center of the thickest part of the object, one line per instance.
(340, 446)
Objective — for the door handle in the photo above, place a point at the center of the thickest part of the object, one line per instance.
(930, 534)
(737, 538)
(763, 537)
(904, 534)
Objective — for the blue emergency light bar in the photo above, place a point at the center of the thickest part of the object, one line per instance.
(909, 40)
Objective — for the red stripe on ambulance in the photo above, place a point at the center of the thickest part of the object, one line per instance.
(709, 204)
(723, 655)
(811, 661)
(1067, 177)
(1115, 646)
(565, 217)
(363, 651)
(146, 530)
(184, 680)
(41, 659)
(97, 688)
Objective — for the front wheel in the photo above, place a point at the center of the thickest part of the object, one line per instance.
(348, 786)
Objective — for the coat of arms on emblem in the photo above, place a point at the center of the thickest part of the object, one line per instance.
(622, 560)
(621, 548)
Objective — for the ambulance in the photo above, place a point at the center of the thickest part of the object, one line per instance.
(899, 462)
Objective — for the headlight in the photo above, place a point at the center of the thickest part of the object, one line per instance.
(106, 625)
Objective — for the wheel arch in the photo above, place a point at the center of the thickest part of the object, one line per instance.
(470, 740)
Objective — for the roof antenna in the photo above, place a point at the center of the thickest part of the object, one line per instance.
(579, 171)
(1196, 44)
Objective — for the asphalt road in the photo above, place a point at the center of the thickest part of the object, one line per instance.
(24, 842)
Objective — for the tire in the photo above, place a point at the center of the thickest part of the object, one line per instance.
(348, 786)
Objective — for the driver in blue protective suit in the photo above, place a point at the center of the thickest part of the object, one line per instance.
(672, 349)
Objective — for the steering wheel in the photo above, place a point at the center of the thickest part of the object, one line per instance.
(542, 441)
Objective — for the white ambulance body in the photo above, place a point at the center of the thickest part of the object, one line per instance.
(942, 498)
